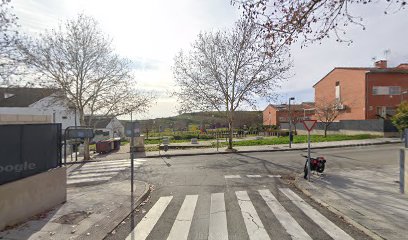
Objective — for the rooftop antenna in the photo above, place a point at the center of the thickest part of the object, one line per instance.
(387, 52)
(374, 59)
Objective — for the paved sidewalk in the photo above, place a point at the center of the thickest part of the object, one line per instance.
(89, 213)
(124, 154)
(367, 198)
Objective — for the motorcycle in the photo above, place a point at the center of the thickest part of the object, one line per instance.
(316, 164)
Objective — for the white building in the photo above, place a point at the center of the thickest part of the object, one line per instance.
(105, 127)
(34, 105)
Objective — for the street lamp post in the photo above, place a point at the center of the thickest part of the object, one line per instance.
(290, 124)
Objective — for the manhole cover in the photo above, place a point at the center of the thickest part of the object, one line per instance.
(72, 218)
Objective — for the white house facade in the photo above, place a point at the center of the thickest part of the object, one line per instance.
(34, 105)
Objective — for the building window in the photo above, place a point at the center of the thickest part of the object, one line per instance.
(337, 90)
(64, 117)
(386, 90)
(386, 111)
(381, 111)
(395, 90)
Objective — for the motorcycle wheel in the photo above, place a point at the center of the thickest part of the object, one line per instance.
(305, 170)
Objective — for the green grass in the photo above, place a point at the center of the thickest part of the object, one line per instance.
(299, 139)
(157, 141)
(123, 142)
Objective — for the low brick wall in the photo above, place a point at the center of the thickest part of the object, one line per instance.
(24, 119)
(24, 198)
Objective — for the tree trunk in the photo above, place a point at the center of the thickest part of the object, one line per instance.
(231, 133)
(87, 155)
(325, 130)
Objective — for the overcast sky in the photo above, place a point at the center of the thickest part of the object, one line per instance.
(151, 32)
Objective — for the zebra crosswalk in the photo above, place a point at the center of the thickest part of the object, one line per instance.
(97, 172)
(256, 229)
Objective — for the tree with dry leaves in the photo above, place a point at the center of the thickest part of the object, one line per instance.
(9, 37)
(227, 70)
(286, 21)
(78, 59)
(327, 112)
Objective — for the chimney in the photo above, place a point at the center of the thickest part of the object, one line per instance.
(381, 64)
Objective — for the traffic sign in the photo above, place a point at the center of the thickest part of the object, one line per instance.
(309, 124)
(132, 126)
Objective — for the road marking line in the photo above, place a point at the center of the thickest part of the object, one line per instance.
(218, 229)
(111, 161)
(254, 226)
(92, 175)
(182, 224)
(274, 176)
(106, 166)
(324, 223)
(145, 226)
(285, 219)
(110, 164)
(254, 176)
(83, 180)
(79, 171)
(232, 176)
(128, 160)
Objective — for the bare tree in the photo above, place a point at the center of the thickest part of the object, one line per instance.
(286, 21)
(78, 59)
(9, 38)
(226, 70)
(326, 112)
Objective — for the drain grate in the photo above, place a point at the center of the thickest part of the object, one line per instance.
(72, 218)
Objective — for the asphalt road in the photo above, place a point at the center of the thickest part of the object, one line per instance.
(241, 196)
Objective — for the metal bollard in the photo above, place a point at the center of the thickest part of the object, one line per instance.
(402, 170)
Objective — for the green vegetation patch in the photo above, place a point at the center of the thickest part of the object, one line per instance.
(299, 139)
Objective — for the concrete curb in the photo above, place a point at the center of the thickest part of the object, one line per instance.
(269, 150)
(142, 198)
(349, 220)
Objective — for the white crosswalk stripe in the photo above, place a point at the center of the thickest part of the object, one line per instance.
(232, 176)
(254, 176)
(329, 227)
(286, 220)
(102, 171)
(218, 219)
(254, 226)
(180, 228)
(145, 226)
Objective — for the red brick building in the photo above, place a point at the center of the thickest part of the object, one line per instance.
(276, 114)
(364, 93)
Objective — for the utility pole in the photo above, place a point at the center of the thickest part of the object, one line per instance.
(76, 144)
(290, 125)
(131, 154)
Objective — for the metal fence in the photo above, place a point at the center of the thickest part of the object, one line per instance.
(28, 149)
(372, 125)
